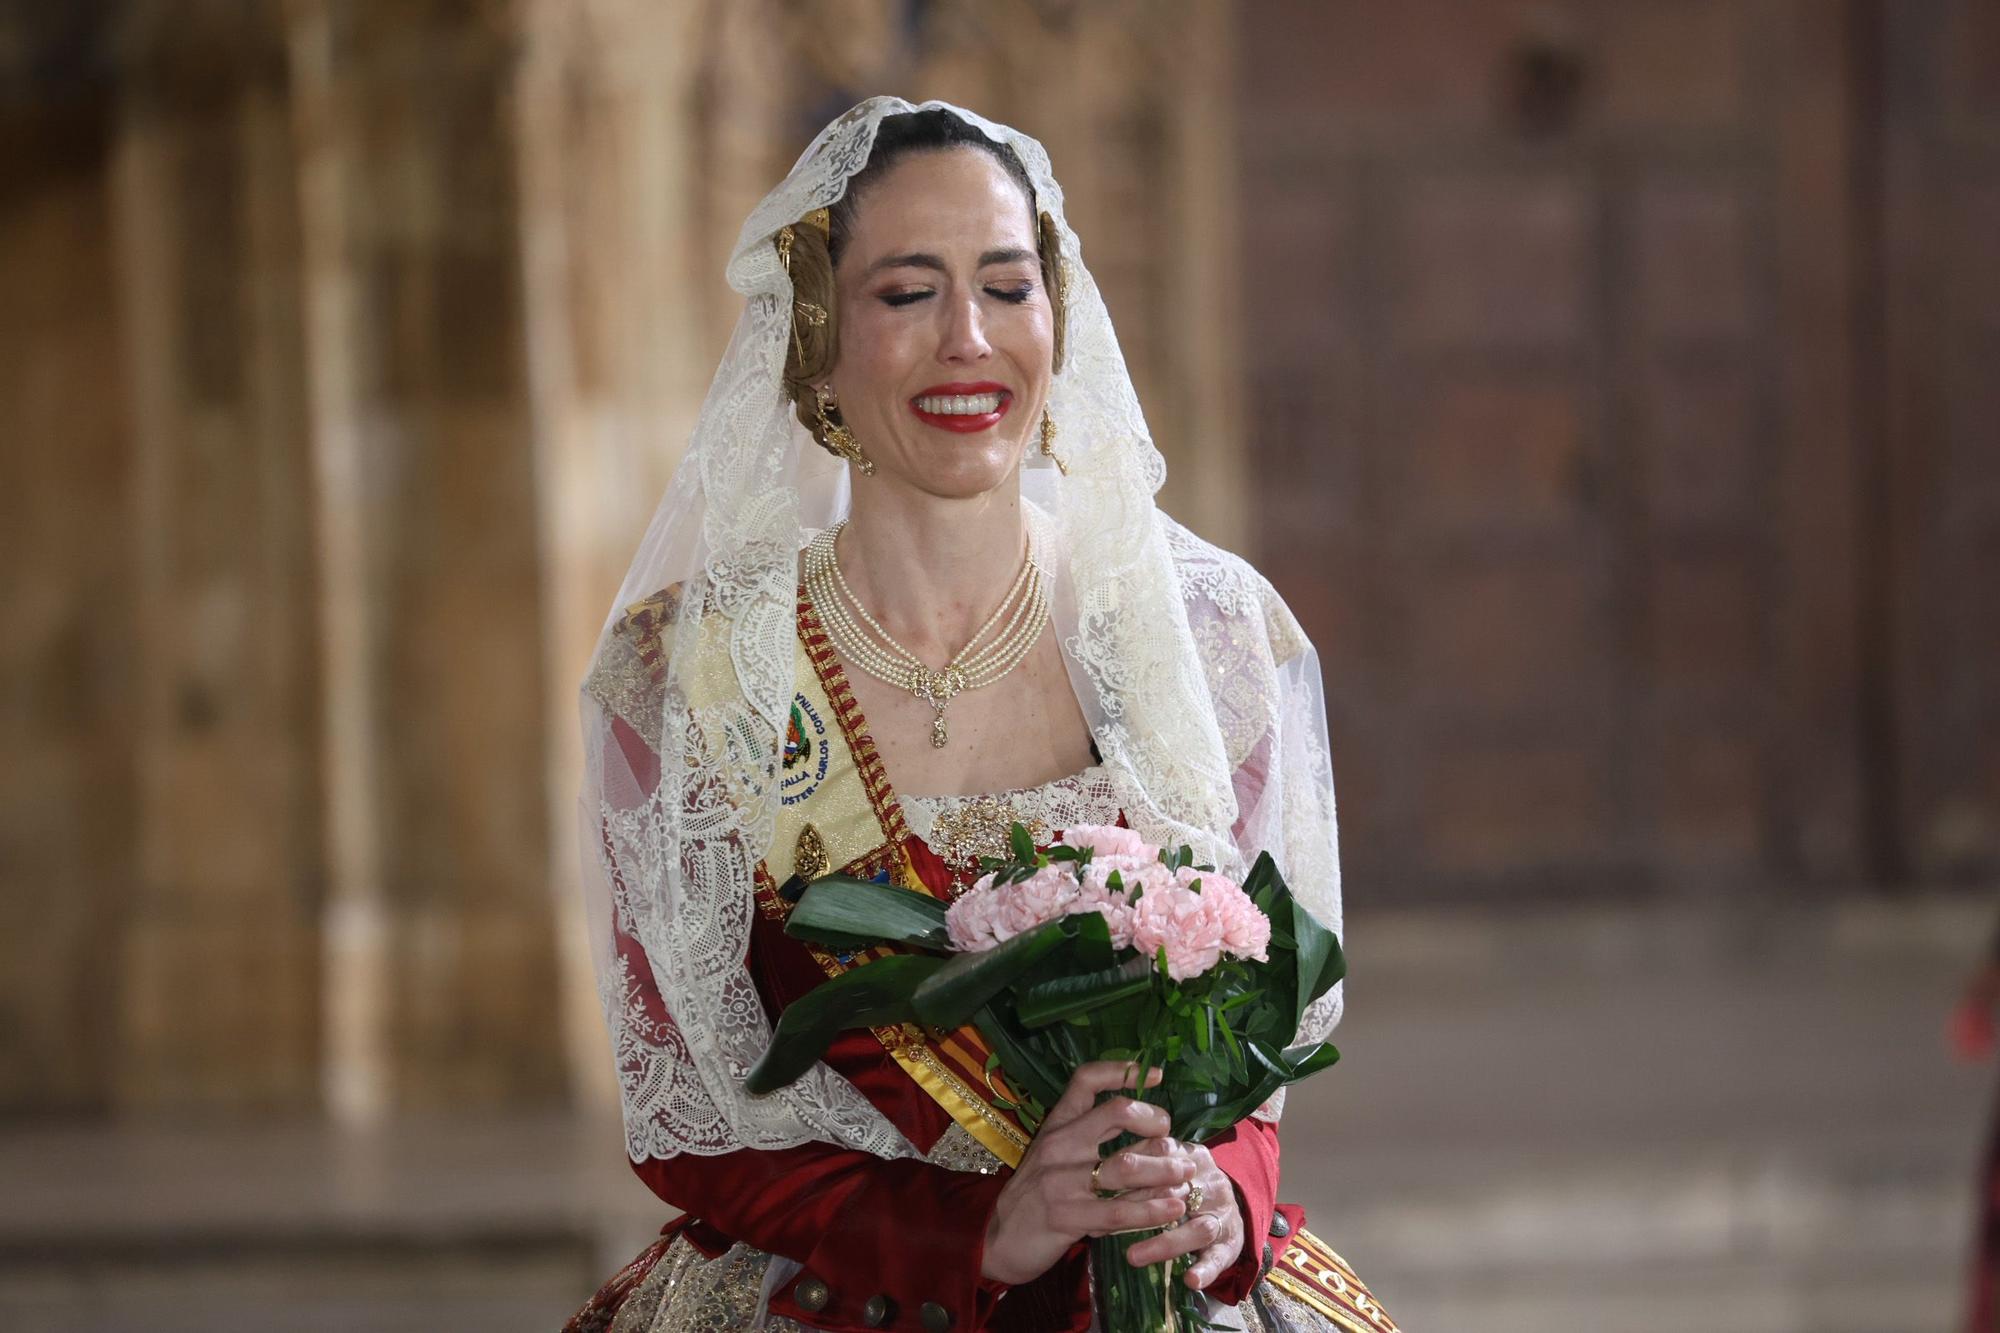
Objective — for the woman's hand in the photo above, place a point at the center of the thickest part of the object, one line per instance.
(1213, 1232)
(1049, 1203)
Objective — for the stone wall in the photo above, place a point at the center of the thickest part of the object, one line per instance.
(362, 337)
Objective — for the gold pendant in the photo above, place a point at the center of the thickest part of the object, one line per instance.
(937, 688)
(809, 858)
(938, 737)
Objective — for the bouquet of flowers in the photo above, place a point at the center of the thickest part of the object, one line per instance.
(1104, 947)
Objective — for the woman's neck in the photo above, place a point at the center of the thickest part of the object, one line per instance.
(932, 571)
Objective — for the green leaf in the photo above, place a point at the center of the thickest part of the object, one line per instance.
(871, 995)
(844, 912)
(1333, 970)
(1235, 1050)
(1092, 934)
(1310, 1058)
(1263, 876)
(966, 981)
(1315, 945)
(1024, 1065)
(1068, 997)
(1188, 1106)
(1021, 842)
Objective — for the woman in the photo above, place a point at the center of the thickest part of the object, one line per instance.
(965, 612)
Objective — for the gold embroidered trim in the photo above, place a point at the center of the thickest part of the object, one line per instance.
(1312, 1274)
(994, 1131)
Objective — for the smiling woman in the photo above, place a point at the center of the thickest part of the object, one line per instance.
(879, 665)
(942, 314)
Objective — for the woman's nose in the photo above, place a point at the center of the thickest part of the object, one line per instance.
(964, 337)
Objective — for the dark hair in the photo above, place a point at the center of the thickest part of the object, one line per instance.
(810, 254)
(917, 132)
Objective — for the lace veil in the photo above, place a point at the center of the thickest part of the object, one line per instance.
(1203, 695)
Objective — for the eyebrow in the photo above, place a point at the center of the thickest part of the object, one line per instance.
(918, 260)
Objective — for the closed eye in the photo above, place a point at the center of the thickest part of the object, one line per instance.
(905, 298)
(1013, 295)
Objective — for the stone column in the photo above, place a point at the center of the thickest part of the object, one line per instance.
(443, 965)
(66, 641)
(216, 975)
(618, 299)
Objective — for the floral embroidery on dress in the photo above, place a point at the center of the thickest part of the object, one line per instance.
(962, 829)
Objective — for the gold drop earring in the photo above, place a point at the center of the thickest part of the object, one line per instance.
(1049, 443)
(838, 438)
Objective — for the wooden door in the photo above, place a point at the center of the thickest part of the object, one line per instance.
(1939, 493)
(1552, 313)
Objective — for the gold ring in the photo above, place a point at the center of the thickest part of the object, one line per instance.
(1193, 1200)
(1096, 1188)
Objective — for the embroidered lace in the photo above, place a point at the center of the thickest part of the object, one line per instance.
(1203, 696)
(961, 829)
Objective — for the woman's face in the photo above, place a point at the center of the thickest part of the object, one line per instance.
(946, 335)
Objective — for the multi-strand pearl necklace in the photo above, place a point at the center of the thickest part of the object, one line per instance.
(1000, 645)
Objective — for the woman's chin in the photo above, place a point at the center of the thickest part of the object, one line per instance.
(962, 473)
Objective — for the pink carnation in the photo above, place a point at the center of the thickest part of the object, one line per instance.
(1173, 918)
(1111, 845)
(1195, 925)
(1246, 931)
(1197, 928)
(990, 914)
(1098, 896)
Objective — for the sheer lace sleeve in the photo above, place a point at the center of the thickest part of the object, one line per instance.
(1264, 681)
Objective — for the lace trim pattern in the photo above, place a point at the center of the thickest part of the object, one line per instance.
(961, 829)
(688, 1292)
(956, 1150)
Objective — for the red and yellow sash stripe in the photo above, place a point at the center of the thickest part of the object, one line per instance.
(1312, 1274)
(853, 813)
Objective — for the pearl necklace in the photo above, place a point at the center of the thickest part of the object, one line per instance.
(1024, 611)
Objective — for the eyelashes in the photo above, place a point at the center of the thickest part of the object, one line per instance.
(1014, 295)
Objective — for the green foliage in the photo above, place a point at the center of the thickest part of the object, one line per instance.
(1059, 995)
(1068, 997)
(846, 913)
(956, 991)
(872, 995)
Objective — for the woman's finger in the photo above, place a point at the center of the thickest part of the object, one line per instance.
(1196, 1233)
(1146, 1163)
(1108, 1217)
(1087, 1082)
(1209, 1265)
(1120, 1115)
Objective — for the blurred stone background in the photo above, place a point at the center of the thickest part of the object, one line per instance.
(1610, 387)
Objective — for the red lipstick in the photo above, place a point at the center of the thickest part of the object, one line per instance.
(963, 423)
